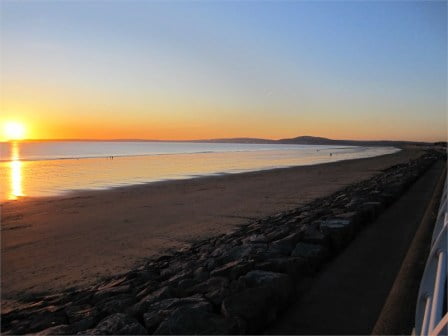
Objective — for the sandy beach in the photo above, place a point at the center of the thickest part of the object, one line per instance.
(52, 243)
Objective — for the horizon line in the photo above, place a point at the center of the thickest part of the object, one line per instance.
(212, 139)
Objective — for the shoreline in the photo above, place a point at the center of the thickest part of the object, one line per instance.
(74, 193)
(66, 176)
(201, 152)
(49, 243)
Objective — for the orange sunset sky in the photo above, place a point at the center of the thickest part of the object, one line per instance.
(200, 70)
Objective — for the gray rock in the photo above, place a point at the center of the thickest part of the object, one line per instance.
(153, 319)
(112, 283)
(266, 294)
(253, 306)
(210, 284)
(339, 230)
(278, 233)
(82, 317)
(285, 245)
(116, 304)
(216, 296)
(143, 304)
(255, 238)
(201, 274)
(118, 324)
(62, 329)
(159, 310)
(142, 275)
(354, 203)
(190, 321)
(232, 270)
(214, 289)
(195, 301)
(353, 217)
(186, 283)
(289, 265)
(210, 264)
(147, 288)
(46, 317)
(176, 268)
(106, 292)
(236, 253)
(314, 236)
(280, 285)
(174, 280)
(310, 251)
(15, 327)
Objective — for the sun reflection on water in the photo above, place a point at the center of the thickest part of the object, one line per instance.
(22, 175)
(16, 172)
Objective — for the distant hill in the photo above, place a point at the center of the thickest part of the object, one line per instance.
(239, 140)
(310, 140)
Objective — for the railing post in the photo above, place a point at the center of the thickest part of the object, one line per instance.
(425, 323)
(439, 283)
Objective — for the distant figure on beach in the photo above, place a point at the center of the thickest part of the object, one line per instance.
(331, 154)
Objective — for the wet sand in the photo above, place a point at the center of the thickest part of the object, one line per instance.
(53, 243)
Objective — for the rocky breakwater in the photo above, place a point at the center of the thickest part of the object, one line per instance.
(231, 284)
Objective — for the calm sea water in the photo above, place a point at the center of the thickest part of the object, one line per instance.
(52, 168)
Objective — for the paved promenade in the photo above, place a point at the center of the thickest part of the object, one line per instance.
(348, 296)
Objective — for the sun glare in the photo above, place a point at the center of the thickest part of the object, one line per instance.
(14, 131)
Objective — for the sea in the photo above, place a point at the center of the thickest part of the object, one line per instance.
(40, 168)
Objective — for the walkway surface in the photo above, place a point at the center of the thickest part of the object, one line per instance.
(348, 295)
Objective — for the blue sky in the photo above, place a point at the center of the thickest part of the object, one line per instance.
(198, 69)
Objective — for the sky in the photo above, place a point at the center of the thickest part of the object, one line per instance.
(209, 69)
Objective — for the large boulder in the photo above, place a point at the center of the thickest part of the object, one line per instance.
(314, 253)
(117, 324)
(278, 284)
(160, 294)
(235, 253)
(47, 317)
(265, 295)
(285, 245)
(191, 321)
(82, 317)
(116, 304)
(314, 236)
(157, 312)
(255, 239)
(111, 283)
(232, 270)
(251, 307)
(277, 233)
(214, 289)
(107, 291)
(340, 231)
(293, 266)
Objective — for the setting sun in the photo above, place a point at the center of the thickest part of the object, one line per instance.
(14, 131)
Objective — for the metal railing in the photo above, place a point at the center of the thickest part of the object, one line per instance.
(431, 317)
